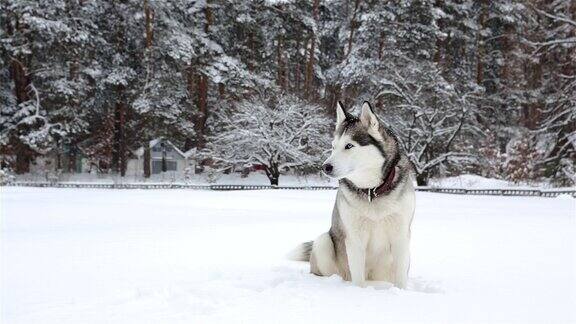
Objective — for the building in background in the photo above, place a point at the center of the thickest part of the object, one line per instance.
(164, 157)
(63, 159)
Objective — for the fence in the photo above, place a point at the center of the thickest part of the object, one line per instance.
(502, 192)
(223, 187)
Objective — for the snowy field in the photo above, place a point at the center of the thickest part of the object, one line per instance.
(177, 256)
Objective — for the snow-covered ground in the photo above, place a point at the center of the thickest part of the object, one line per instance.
(180, 256)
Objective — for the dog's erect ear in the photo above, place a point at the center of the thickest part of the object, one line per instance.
(368, 118)
(340, 113)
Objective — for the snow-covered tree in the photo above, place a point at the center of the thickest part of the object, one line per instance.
(391, 57)
(275, 133)
(431, 117)
(31, 30)
(555, 46)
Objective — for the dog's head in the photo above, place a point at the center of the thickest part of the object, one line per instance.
(362, 147)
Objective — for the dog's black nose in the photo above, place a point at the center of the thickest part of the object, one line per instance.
(327, 168)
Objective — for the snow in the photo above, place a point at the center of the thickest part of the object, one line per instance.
(181, 256)
(472, 181)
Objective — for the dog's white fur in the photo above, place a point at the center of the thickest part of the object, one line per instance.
(377, 232)
(378, 238)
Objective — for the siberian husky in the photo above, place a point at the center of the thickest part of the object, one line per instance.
(369, 239)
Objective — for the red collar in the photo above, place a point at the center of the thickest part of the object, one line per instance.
(386, 186)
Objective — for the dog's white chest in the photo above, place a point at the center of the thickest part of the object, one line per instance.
(379, 221)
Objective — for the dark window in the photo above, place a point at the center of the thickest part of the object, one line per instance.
(157, 166)
(170, 165)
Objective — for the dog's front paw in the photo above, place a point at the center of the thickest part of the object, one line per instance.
(360, 283)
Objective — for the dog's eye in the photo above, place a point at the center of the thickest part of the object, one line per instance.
(348, 146)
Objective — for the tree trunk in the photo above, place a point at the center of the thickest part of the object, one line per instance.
(353, 26)
(21, 78)
(188, 144)
(507, 47)
(23, 157)
(298, 61)
(532, 109)
(480, 46)
(21, 82)
(439, 41)
(119, 153)
(203, 90)
(119, 142)
(274, 180)
(203, 111)
(381, 43)
(308, 84)
(281, 66)
(147, 160)
(221, 91)
(72, 158)
(148, 41)
(191, 87)
(332, 96)
(252, 55)
(18, 69)
(58, 152)
(422, 179)
(273, 174)
(148, 17)
(208, 15)
(310, 67)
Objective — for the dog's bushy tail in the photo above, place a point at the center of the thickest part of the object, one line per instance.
(301, 252)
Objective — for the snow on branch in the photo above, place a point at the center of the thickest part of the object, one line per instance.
(554, 17)
(276, 133)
